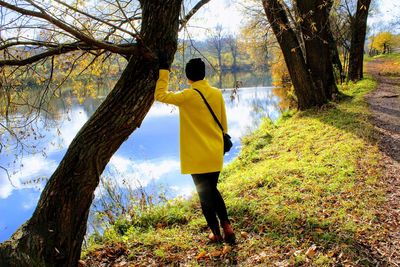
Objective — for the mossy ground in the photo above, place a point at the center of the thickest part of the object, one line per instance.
(303, 191)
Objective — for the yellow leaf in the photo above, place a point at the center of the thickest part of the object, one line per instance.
(313, 26)
(201, 255)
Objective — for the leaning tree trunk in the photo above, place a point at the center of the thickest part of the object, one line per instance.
(359, 31)
(314, 16)
(54, 234)
(301, 78)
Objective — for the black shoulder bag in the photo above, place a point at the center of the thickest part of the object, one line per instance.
(227, 139)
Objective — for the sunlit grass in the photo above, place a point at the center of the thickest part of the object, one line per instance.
(390, 66)
(310, 179)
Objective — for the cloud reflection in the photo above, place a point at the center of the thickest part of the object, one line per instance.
(32, 167)
(142, 172)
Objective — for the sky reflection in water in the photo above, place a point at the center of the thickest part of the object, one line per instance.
(150, 155)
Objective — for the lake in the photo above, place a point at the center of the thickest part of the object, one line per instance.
(149, 158)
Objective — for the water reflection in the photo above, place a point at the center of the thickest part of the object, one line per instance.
(150, 155)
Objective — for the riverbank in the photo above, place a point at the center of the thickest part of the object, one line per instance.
(303, 191)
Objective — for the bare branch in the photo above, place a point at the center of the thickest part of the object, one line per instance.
(28, 43)
(192, 12)
(96, 18)
(127, 19)
(75, 32)
(62, 49)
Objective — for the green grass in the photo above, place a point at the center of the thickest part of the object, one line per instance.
(395, 56)
(392, 56)
(312, 178)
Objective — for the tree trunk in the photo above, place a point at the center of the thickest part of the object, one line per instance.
(359, 30)
(54, 234)
(301, 78)
(315, 27)
(220, 68)
(335, 58)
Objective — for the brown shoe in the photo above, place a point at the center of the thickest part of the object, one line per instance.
(229, 235)
(215, 238)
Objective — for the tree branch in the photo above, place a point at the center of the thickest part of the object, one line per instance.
(75, 32)
(28, 43)
(129, 21)
(63, 49)
(95, 18)
(192, 12)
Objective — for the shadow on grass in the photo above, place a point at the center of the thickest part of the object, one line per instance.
(360, 124)
(295, 237)
(355, 122)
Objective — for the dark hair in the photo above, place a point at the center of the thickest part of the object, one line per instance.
(195, 69)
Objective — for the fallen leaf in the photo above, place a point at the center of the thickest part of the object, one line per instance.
(311, 251)
(215, 253)
(244, 234)
(121, 264)
(201, 255)
(226, 249)
(319, 230)
(284, 263)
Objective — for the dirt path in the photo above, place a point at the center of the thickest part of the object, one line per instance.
(385, 106)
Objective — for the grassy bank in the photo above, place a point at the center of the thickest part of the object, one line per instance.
(302, 192)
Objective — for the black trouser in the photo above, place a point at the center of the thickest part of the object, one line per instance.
(211, 200)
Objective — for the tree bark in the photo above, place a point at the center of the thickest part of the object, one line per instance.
(314, 17)
(54, 234)
(302, 81)
(359, 31)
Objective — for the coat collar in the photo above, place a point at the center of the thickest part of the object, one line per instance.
(200, 84)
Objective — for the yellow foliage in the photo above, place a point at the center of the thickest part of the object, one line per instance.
(279, 71)
(383, 41)
(254, 43)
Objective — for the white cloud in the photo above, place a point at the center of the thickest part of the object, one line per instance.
(142, 172)
(5, 187)
(186, 191)
(70, 128)
(33, 167)
(120, 163)
(158, 168)
(161, 110)
(384, 15)
(127, 172)
(217, 12)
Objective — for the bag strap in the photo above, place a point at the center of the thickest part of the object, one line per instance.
(210, 109)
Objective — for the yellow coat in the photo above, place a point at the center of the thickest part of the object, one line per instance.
(201, 142)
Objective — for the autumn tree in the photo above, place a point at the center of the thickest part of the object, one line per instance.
(254, 39)
(233, 46)
(304, 38)
(217, 42)
(383, 42)
(341, 29)
(137, 31)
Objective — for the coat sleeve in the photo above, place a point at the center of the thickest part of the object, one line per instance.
(224, 121)
(163, 95)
